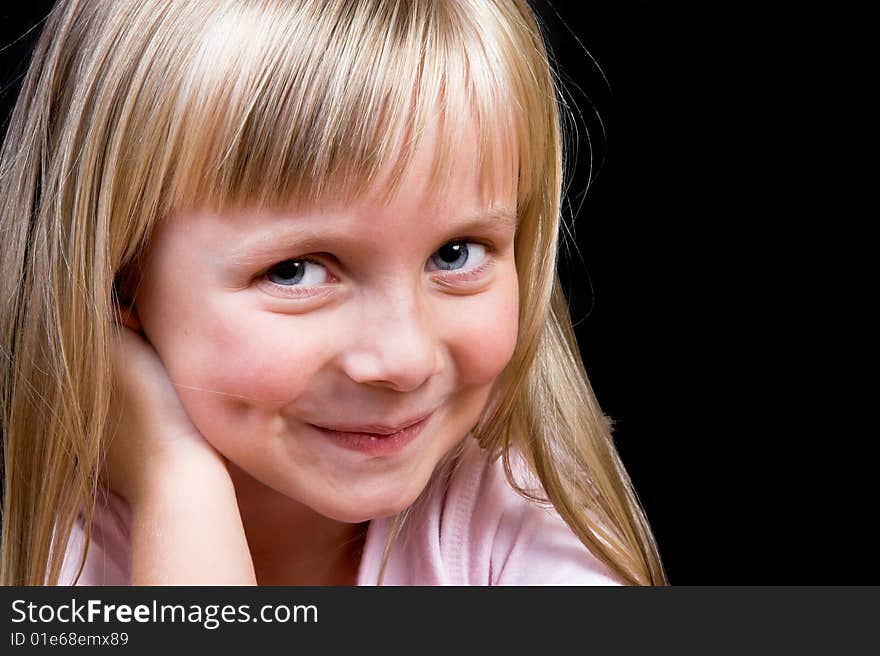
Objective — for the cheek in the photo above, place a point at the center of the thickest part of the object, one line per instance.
(483, 333)
(246, 371)
(250, 355)
(232, 354)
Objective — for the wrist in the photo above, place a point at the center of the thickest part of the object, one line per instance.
(186, 529)
(181, 478)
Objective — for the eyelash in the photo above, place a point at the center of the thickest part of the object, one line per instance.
(302, 291)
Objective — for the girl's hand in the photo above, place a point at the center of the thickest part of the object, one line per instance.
(151, 439)
(186, 527)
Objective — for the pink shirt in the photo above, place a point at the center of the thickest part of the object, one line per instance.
(476, 532)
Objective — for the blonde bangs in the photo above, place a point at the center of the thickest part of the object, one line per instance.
(301, 102)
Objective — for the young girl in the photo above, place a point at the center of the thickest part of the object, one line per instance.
(280, 306)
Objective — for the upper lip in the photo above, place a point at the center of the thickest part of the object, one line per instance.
(375, 429)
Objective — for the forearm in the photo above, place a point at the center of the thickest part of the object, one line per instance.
(187, 530)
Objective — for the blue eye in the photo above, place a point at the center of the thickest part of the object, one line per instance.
(451, 256)
(290, 273)
(456, 254)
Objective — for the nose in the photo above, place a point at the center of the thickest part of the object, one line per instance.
(394, 345)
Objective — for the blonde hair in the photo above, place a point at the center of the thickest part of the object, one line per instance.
(132, 109)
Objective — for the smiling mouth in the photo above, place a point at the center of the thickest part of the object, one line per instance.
(376, 444)
(377, 430)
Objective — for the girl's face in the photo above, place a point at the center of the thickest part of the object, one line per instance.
(351, 316)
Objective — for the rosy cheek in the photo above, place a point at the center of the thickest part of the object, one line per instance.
(485, 335)
(261, 359)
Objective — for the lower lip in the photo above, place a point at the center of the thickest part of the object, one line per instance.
(376, 445)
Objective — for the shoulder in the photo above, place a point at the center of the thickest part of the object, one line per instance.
(510, 540)
(107, 560)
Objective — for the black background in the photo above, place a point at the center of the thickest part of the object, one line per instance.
(686, 285)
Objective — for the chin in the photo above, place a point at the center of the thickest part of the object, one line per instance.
(361, 509)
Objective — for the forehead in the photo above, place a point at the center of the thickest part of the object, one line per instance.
(259, 237)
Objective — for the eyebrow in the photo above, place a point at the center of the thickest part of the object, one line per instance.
(305, 235)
